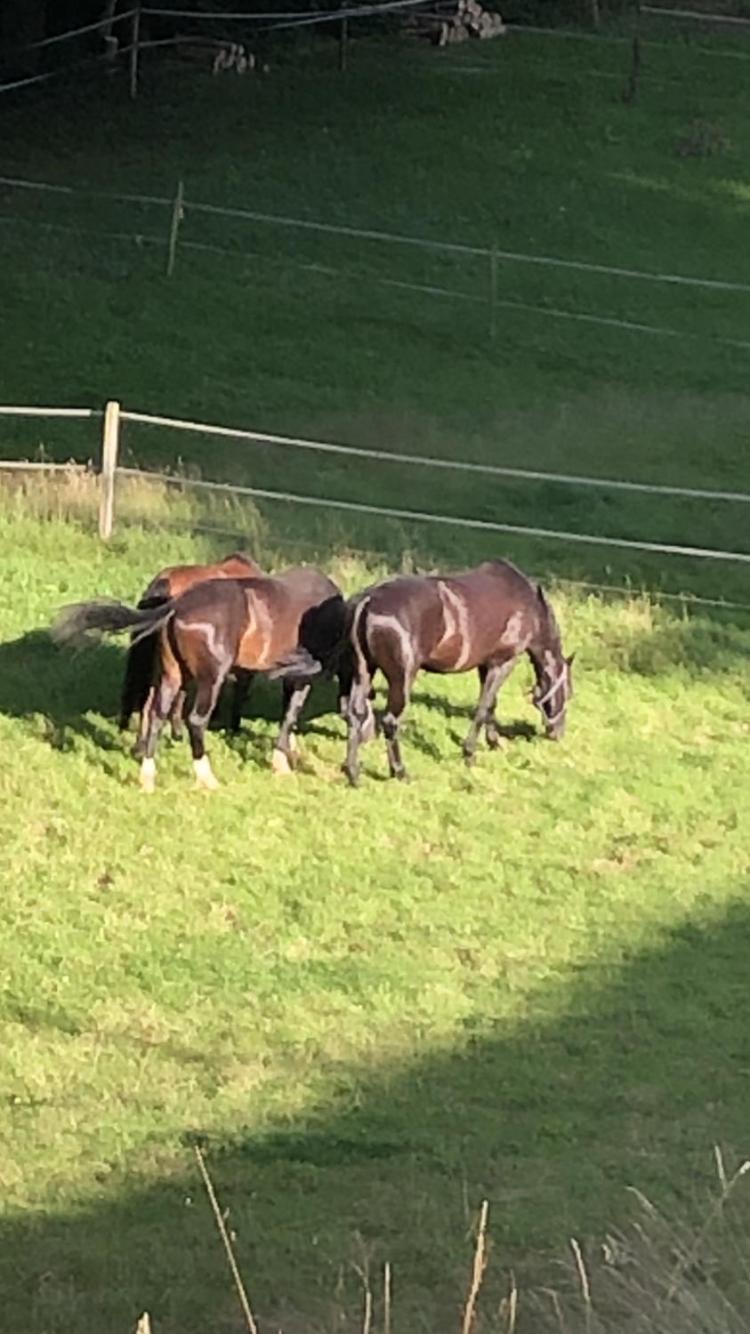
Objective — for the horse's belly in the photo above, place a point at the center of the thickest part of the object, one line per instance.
(450, 657)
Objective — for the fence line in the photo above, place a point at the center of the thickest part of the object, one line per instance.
(302, 16)
(721, 53)
(369, 234)
(421, 516)
(34, 465)
(426, 289)
(430, 461)
(77, 32)
(24, 411)
(20, 183)
(109, 468)
(695, 14)
(511, 256)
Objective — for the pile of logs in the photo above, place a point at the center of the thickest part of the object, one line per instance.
(217, 56)
(470, 20)
(455, 21)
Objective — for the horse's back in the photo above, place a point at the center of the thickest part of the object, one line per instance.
(493, 579)
(175, 580)
(307, 585)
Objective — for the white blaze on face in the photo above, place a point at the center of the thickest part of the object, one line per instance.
(148, 775)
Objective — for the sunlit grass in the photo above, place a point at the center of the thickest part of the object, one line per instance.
(287, 967)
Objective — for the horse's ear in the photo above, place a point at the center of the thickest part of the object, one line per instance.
(540, 595)
(570, 659)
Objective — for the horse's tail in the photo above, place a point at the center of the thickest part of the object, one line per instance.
(300, 662)
(84, 620)
(139, 673)
(322, 636)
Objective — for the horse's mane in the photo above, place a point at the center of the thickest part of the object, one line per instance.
(549, 615)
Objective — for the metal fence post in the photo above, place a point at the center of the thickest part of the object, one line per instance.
(110, 442)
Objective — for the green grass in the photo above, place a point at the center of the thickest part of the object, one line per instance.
(525, 982)
(524, 143)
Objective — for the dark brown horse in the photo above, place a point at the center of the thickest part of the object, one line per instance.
(137, 689)
(245, 625)
(481, 620)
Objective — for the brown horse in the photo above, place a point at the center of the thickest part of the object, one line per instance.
(483, 619)
(137, 688)
(246, 625)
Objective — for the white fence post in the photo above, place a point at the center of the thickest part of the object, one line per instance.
(178, 213)
(110, 442)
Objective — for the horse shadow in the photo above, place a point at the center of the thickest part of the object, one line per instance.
(518, 730)
(61, 693)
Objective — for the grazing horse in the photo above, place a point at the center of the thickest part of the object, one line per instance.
(482, 619)
(137, 689)
(246, 625)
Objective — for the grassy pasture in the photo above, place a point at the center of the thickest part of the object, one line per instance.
(525, 144)
(525, 982)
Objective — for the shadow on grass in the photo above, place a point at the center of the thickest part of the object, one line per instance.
(37, 679)
(624, 1074)
(68, 689)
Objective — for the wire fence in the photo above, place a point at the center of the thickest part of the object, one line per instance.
(490, 287)
(110, 468)
(275, 21)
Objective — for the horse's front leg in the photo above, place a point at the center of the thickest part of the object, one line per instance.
(491, 678)
(282, 760)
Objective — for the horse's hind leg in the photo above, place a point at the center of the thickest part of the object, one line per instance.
(156, 714)
(294, 698)
(242, 679)
(206, 695)
(358, 718)
(399, 685)
(177, 715)
(491, 678)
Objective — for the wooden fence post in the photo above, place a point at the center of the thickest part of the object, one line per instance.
(343, 43)
(110, 441)
(135, 39)
(178, 213)
(493, 293)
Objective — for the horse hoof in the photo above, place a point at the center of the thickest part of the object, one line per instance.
(401, 775)
(147, 776)
(204, 775)
(469, 758)
(280, 762)
(351, 775)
